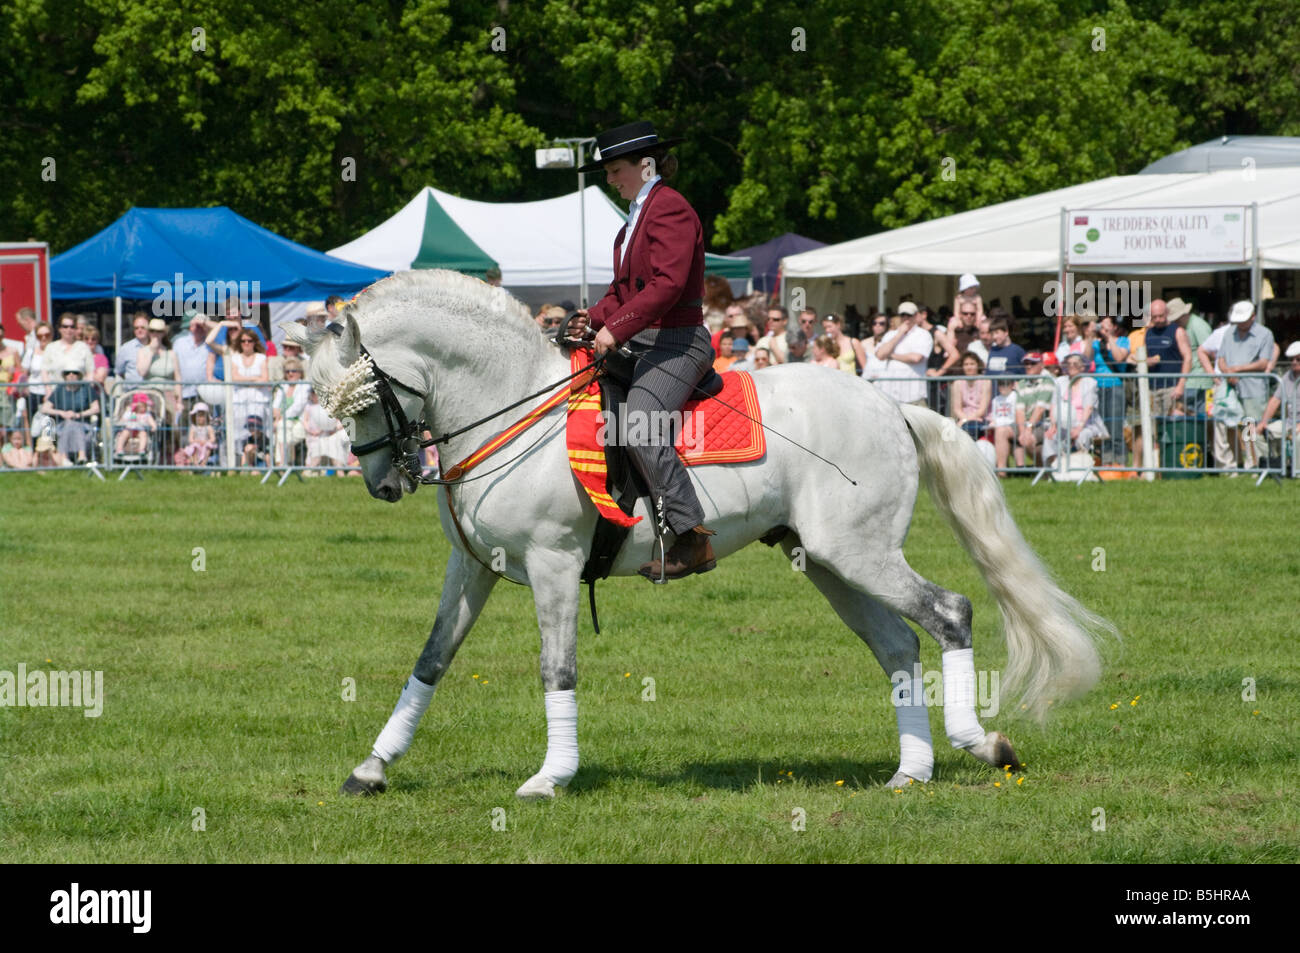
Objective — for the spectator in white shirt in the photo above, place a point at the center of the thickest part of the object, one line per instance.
(67, 353)
(905, 351)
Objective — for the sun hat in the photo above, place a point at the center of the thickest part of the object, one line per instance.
(157, 324)
(1050, 360)
(1293, 350)
(907, 308)
(138, 398)
(635, 137)
(1241, 312)
(967, 281)
(1177, 309)
(200, 408)
(739, 345)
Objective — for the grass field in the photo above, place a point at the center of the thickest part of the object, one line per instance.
(224, 691)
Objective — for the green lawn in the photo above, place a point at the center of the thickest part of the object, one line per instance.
(224, 691)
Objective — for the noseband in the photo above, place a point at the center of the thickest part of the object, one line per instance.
(403, 436)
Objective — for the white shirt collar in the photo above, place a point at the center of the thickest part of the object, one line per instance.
(634, 207)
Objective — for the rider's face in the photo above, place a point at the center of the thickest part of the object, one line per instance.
(624, 177)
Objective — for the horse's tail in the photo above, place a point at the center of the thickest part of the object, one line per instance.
(1051, 651)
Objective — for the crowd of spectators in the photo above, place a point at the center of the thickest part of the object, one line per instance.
(1033, 406)
(163, 398)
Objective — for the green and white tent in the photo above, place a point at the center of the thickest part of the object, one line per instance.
(535, 244)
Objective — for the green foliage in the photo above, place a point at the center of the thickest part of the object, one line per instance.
(835, 118)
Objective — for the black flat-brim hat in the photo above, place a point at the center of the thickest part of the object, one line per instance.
(635, 137)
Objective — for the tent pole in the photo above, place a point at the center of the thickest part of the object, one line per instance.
(1256, 274)
(882, 281)
(117, 322)
(1062, 277)
(582, 226)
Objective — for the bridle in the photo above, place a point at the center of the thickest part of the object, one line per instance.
(403, 437)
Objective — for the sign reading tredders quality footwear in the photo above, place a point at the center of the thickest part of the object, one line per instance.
(1155, 236)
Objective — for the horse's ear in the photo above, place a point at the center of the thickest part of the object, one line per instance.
(298, 334)
(349, 343)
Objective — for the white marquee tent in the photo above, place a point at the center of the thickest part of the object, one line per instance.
(535, 244)
(1023, 237)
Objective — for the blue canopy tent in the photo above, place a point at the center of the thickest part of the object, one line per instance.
(765, 259)
(174, 256)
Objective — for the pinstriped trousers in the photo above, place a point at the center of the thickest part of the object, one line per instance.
(670, 362)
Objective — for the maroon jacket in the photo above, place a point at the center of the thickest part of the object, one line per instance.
(659, 282)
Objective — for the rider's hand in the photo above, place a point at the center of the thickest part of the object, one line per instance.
(578, 324)
(605, 341)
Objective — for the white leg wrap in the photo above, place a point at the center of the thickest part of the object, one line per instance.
(396, 737)
(959, 721)
(916, 756)
(561, 762)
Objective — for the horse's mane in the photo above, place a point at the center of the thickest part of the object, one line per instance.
(456, 294)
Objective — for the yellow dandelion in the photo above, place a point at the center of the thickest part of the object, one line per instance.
(1114, 706)
(1255, 712)
(839, 784)
(1136, 697)
(1133, 703)
(854, 794)
(997, 784)
(898, 790)
(49, 660)
(1008, 775)
(484, 682)
(627, 674)
(320, 803)
(1006, 767)
(475, 675)
(1020, 780)
(910, 780)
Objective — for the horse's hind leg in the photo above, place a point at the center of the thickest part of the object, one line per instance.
(899, 653)
(464, 591)
(947, 617)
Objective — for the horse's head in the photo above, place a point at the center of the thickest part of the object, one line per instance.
(383, 417)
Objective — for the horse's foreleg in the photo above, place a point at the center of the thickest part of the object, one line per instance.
(465, 589)
(555, 593)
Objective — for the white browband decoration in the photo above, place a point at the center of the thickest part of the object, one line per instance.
(355, 391)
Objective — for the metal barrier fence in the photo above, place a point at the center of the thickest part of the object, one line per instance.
(279, 428)
(1190, 434)
(130, 427)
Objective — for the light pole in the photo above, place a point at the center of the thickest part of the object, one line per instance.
(563, 159)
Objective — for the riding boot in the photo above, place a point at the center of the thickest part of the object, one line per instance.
(691, 552)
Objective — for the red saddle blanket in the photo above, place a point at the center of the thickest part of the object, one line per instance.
(722, 429)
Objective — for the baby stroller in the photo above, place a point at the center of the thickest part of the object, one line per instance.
(137, 428)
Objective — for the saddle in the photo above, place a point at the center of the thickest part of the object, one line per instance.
(623, 483)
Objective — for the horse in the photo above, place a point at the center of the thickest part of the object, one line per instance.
(430, 349)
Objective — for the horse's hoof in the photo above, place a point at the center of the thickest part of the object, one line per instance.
(901, 780)
(366, 778)
(536, 788)
(996, 750)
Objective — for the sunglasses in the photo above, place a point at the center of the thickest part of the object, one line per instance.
(44, 337)
(968, 314)
(551, 323)
(67, 327)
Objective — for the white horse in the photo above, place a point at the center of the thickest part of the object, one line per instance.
(458, 349)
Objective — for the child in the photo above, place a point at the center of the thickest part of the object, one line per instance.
(1002, 420)
(137, 426)
(201, 440)
(256, 449)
